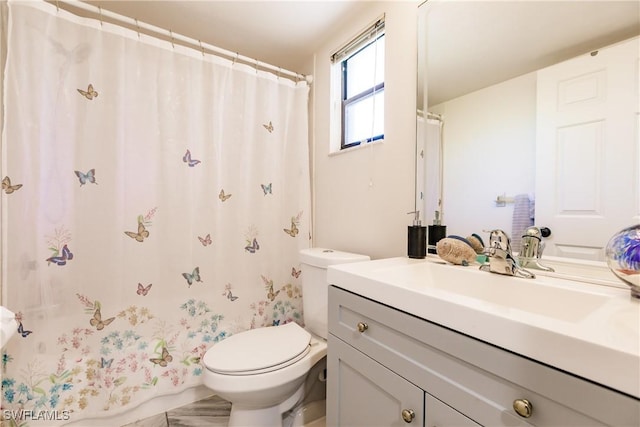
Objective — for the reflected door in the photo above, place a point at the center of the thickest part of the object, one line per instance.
(587, 150)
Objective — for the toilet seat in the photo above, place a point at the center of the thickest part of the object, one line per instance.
(260, 350)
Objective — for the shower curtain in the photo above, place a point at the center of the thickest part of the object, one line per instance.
(433, 169)
(154, 200)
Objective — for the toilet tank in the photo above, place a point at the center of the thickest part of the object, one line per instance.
(315, 289)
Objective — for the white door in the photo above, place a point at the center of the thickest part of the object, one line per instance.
(588, 150)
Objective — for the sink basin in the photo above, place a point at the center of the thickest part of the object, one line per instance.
(543, 296)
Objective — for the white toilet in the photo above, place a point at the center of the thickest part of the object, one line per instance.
(263, 371)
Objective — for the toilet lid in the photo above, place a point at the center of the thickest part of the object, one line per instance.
(261, 349)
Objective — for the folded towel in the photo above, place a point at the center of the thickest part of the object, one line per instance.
(523, 210)
(8, 325)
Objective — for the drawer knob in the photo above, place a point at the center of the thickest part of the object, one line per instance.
(408, 415)
(362, 326)
(523, 407)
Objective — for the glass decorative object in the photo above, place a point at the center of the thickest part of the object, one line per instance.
(623, 257)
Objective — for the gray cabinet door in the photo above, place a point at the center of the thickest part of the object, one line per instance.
(441, 415)
(363, 393)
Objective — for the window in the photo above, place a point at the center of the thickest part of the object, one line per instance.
(359, 66)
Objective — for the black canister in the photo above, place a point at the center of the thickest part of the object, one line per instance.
(436, 233)
(416, 238)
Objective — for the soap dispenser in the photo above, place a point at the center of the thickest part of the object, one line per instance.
(416, 238)
(437, 232)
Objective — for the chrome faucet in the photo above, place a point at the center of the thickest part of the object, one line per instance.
(501, 260)
(532, 247)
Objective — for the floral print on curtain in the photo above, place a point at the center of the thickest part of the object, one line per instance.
(154, 202)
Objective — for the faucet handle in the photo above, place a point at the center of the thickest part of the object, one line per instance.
(499, 239)
(532, 243)
(533, 246)
(533, 231)
(537, 232)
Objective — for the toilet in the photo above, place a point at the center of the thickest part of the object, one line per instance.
(265, 372)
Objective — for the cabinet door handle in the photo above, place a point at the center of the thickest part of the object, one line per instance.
(362, 326)
(523, 407)
(408, 415)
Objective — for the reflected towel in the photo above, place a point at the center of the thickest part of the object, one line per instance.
(522, 219)
(8, 325)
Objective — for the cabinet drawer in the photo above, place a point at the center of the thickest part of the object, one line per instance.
(478, 379)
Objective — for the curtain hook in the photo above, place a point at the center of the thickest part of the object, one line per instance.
(171, 35)
(57, 6)
(137, 28)
(256, 66)
(279, 70)
(100, 10)
(235, 59)
(201, 47)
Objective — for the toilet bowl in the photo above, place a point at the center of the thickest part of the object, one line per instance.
(263, 371)
(260, 395)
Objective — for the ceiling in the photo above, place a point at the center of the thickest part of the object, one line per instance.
(281, 33)
(472, 43)
(475, 44)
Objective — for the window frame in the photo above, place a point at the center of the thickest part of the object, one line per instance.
(370, 36)
(345, 102)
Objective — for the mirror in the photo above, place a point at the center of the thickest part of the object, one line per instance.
(479, 91)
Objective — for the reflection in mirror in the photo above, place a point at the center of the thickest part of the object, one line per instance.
(528, 113)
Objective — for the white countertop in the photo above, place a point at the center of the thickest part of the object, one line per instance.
(589, 330)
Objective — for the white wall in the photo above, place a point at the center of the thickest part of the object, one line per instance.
(362, 196)
(489, 150)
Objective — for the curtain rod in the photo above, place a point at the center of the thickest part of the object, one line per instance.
(175, 37)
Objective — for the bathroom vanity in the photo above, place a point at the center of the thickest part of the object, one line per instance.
(415, 341)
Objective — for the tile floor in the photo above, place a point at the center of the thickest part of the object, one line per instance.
(211, 412)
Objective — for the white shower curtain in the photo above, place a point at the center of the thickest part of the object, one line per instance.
(154, 201)
(433, 169)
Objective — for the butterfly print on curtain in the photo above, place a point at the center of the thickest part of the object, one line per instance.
(7, 187)
(90, 93)
(90, 177)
